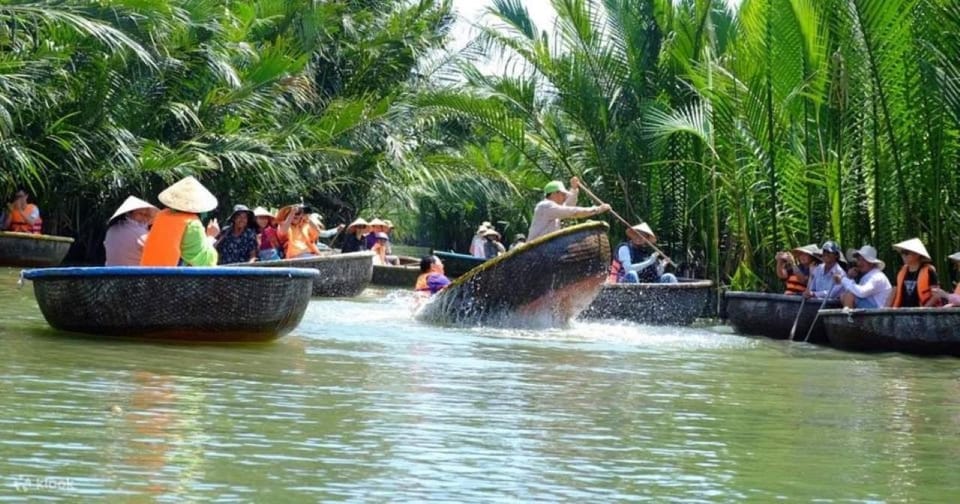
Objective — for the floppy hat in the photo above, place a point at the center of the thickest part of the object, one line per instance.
(262, 212)
(251, 217)
(357, 223)
(130, 204)
(552, 187)
(868, 253)
(490, 232)
(811, 250)
(645, 229)
(188, 195)
(482, 229)
(954, 257)
(913, 245)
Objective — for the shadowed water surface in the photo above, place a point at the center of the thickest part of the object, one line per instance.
(362, 403)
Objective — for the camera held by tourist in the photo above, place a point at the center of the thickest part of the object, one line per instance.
(127, 231)
(794, 267)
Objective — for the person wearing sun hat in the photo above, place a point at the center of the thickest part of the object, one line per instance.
(518, 239)
(951, 299)
(873, 287)
(237, 242)
(916, 279)
(127, 230)
(379, 248)
(22, 217)
(298, 232)
(177, 233)
(478, 241)
(794, 267)
(492, 246)
(635, 262)
(355, 238)
(821, 284)
(376, 226)
(558, 204)
(269, 249)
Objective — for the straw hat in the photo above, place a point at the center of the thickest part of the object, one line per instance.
(868, 253)
(954, 257)
(913, 245)
(645, 229)
(262, 212)
(491, 232)
(130, 204)
(357, 223)
(482, 229)
(188, 195)
(388, 223)
(377, 222)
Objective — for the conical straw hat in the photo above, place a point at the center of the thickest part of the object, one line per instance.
(811, 250)
(188, 195)
(377, 222)
(645, 229)
(954, 257)
(913, 245)
(130, 204)
(357, 223)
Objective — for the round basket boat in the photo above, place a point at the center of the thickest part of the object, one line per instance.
(341, 275)
(544, 283)
(33, 250)
(396, 276)
(652, 303)
(219, 304)
(456, 265)
(772, 315)
(924, 331)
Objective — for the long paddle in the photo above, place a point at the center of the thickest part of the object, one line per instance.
(625, 223)
(817, 316)
(793, 330)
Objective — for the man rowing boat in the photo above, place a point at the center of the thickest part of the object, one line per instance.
(557, 204)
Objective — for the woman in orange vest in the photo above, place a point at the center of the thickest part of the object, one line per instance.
(177, 235)
(951, 300)
(916, 279)
(794, 268)
(296, 230)
(22, 217)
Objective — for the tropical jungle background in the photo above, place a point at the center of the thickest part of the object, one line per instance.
(734, 130)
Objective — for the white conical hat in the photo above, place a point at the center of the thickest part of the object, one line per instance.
(188, 195)
(645, 229)
(130, 204)
(377, 222)
(357, 223)
(913, 245)
(954, 257)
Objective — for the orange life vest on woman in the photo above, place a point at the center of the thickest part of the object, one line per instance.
(18, 220)
(162, 246)
(794, 285)
(421, 285)
(923, 285)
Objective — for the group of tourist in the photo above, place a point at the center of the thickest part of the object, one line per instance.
(486, 242)
(818, 272)
(139, 233)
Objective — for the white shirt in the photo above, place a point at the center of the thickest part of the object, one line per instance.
(124, 243)
(873, 285)
(547, 215)
(476, 247)
(821, 282)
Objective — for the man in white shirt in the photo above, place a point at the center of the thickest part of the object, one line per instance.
(873, 288)
(821, 284)
(557, 204)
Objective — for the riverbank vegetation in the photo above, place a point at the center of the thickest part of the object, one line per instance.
(734, 132)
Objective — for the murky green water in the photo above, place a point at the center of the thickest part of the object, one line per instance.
(360, 403)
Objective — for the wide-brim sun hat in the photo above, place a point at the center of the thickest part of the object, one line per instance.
(131, 204)
(188, 195)
(491, 232)
(954, 257)
(381, 236)
(645, 229)
(554, 186)
(357, 223)
(868, 253)
(262, 212)
(913, 245)
(482, 229)
(811, 250)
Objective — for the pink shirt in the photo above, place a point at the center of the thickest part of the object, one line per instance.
(124, 243)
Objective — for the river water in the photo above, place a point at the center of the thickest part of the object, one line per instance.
(362, 403)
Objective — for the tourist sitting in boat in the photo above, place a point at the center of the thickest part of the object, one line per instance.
(492, 246)
(237, 242)
(355, 239)
(431, 279)
(916, 279)
(478, 241)
(871, 288)
(558, 203)
(794, 268)
(376, 226)
(22, 217)
(518, 239)
(636, 262)
(177, 236)
(299, 232)
(951, 300)
(821, 284)
(269, 243)
(127, 231)
(379, 249)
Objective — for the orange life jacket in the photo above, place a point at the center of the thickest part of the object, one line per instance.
(923, 285)
(18, 220)
(794, 285)
(162, 246)
(421, 285)
(299, 239)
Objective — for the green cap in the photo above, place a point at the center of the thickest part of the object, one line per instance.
(552, 187)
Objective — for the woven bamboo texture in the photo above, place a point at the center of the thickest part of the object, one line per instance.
(652, 303)
(341, 275)
(32, 250)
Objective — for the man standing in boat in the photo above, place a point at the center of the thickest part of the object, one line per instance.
(557, 204)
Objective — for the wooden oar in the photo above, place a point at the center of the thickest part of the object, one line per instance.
(793, 330)
(625, 223)
(817, 316)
